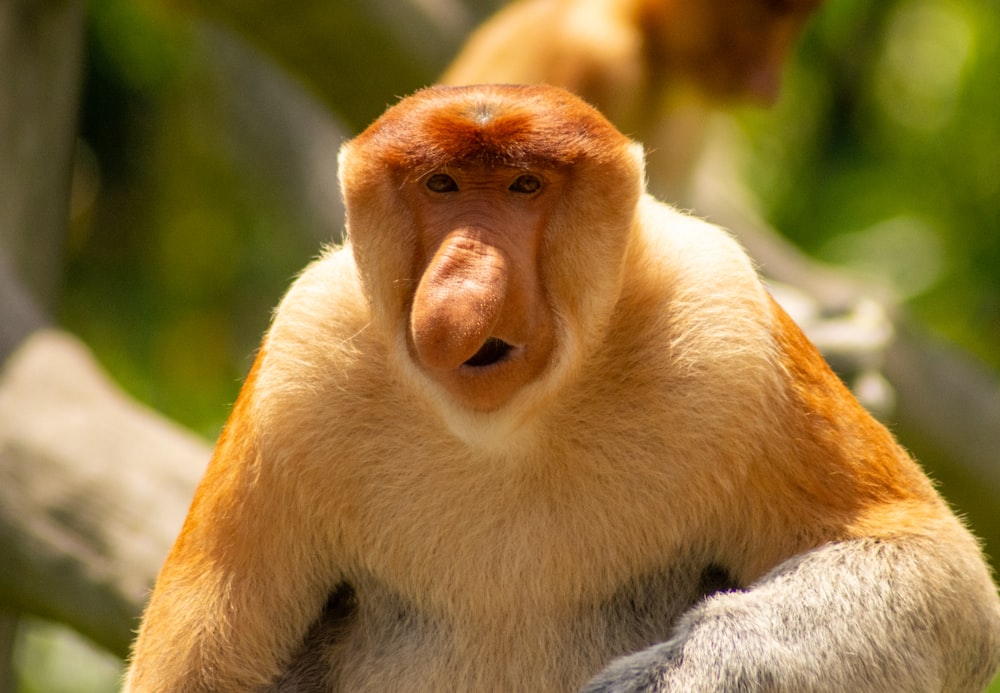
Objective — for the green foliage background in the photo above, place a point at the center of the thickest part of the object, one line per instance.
(885, 155)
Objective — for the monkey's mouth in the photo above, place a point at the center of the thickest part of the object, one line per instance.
(492, 351)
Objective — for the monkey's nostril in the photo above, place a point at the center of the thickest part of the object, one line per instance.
(492, 351)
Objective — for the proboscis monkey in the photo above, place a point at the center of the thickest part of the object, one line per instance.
(656, 68)
(530, 427)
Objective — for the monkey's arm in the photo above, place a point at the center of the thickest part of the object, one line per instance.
(896, 596)
(902, 614)
(241, 585)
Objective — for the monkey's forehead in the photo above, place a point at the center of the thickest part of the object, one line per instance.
(492, 125)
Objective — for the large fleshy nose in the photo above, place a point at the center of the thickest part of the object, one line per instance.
(458, 303)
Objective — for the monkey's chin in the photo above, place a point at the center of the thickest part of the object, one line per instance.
(488, 379)
(494, 406)
(491, 377)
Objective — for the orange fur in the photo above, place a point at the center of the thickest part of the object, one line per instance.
(517, 529)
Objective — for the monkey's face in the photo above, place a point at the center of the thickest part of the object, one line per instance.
(472, 212)
(480, 322)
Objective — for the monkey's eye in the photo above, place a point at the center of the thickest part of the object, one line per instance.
(526, 184)
(441, 183)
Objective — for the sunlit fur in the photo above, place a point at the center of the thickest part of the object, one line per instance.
(686, 480)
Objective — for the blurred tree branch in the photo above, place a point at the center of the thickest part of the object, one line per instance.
(94, 489)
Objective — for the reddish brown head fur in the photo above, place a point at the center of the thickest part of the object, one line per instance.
(496, 126)
(456, 198)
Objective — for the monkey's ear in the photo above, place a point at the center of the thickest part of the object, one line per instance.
(378, 253)
(638, 152)
(343, 168)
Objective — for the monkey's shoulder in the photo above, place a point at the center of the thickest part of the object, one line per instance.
(321, 345)
(324, 316)
(691, 255)
(695, 302)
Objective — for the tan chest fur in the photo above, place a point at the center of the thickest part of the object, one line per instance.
(450, 548)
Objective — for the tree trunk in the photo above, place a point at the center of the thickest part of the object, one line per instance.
(41, 43)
